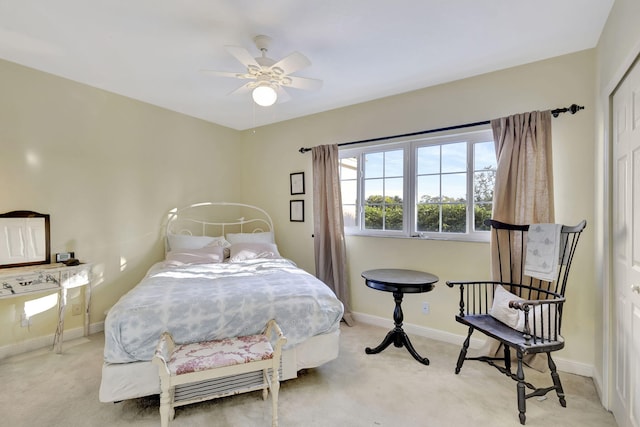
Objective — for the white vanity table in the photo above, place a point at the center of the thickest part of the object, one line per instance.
(43, 278)
(25, 255)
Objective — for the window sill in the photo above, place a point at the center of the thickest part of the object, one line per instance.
(449, 238)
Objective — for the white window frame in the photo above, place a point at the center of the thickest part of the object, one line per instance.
(409, 148)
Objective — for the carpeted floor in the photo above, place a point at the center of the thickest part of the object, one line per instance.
(388, 389)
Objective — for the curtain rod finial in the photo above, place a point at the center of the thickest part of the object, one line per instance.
(575, 108)
(304, 150)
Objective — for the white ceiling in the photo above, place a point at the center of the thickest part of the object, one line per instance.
(154, 50)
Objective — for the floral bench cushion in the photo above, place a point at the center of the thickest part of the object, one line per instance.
(195, 357)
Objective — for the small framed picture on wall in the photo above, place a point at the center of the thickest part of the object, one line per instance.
(296, 211)
(297, 183)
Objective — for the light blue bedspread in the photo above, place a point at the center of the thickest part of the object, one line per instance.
(203, 302)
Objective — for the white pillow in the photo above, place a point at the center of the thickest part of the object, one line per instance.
(501, 310)
(514, 318)
(244, 251)
(541, 314)
(220, 241)
(206, 255)
(264, 237)
(186, 241)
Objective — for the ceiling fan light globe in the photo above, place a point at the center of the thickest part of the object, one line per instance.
(265, 96)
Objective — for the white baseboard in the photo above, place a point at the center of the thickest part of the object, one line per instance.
(573, 367)
(598, 382)
(46, 341)
(564, 365)
(421, 331)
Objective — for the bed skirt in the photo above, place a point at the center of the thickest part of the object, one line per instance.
(122, 381)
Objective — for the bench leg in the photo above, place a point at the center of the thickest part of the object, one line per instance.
(275, 388)
(522, 404)
(463, 351)
(267, 384)
(556, 381)
(166, 409)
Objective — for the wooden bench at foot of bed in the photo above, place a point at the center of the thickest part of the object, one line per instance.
(185, 369)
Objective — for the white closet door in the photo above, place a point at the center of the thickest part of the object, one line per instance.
(625, 387)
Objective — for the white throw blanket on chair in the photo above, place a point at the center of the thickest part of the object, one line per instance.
(543, 247)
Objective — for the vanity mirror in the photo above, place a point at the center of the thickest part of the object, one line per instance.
(24, 239)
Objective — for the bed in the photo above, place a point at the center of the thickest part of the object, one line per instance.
(222, 276)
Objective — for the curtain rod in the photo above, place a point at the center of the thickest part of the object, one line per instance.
(574, 108)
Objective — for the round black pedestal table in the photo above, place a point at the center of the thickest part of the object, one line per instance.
(399, 282)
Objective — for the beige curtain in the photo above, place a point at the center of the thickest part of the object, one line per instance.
(328, 225)
(523, 192)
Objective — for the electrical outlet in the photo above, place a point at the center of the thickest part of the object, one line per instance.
(76, 310)
(425, 308)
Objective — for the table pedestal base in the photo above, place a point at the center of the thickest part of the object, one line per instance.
(399, 338)
(397, 335)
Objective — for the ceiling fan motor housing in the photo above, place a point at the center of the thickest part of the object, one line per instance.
(262, 42)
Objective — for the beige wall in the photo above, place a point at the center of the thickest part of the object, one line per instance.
(130, 162)
(106, 168)
(271, 153)
(618, 46)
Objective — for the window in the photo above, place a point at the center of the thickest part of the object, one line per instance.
(449, 180)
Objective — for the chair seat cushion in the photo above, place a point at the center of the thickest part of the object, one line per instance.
(195, 357)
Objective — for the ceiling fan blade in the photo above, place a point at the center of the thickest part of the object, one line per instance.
(228, 74)
(242, 55)
(283, 96)
(242, 89)
(292, 63)
(304, 83)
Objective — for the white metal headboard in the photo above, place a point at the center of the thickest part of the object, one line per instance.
(217, 219)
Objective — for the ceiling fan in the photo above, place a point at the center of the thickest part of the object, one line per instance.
(268, 77)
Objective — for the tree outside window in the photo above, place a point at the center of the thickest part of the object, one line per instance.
(438, 173)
